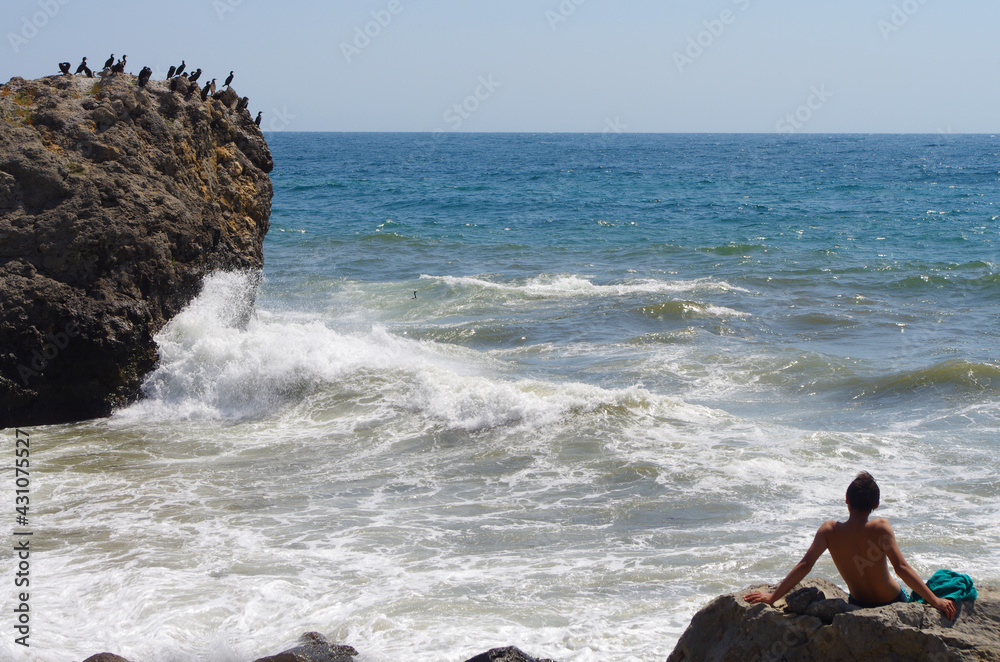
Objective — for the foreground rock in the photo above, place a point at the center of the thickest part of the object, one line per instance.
(814, 622)
(509, 654)
(314, 647)
(115, 201)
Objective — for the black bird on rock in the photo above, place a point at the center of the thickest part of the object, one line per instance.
(257, 121)
(173, 84)
(82, 67)
(119, 67)
(242, 105)
(205, 90)
(212, 86)
(195, 76)
(64, 67)
(229, 80)
(111, 62)
(144, 76)
(180, 69)
(170, 72)
(192, 89)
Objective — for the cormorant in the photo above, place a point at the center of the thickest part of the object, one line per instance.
(257, 121)
(170, 72)
(193, 77)
(173, 84)
(82, 67)
(414, 294)
(229, 80)
(244, 102)
(192, 89)
(212, 86)
(90, 74)
(204, 92)
(64, 67)
(180, 69)
(111, 62)
(119, 67)
(144, 76)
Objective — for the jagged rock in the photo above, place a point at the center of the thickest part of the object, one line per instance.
(313, 647)
(509, 654)
(228, 97)
(798, 601)
(825, 610)
(815, 623)
(105, 657)
(115, 202)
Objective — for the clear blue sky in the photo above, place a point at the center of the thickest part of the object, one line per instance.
(552, 65)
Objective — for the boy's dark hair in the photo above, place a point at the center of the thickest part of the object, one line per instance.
(863, 493)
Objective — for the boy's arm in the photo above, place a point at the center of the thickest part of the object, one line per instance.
(799, 572)
(905, 572)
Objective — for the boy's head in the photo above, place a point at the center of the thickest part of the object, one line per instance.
(862, 493)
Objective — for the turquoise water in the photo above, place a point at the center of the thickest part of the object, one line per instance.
(638, 371)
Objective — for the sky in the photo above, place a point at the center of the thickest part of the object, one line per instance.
(718, 66)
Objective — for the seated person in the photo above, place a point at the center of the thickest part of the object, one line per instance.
(860, 549)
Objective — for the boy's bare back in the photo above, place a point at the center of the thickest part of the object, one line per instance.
(859, 550)
(862, 551)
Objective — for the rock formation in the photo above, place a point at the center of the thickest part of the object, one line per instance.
(509, 654)
(115, 201)
(815, 623)
(314, 647)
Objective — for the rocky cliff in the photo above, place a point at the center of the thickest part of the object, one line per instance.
(115, 201)
(815, 623)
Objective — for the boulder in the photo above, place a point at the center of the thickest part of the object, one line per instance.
(313, 647)
(115, 202)
(509, 654)
(814, 622)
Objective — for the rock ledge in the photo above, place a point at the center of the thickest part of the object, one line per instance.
(115, 202)
(815, 623)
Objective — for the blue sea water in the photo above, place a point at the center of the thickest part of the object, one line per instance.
(553, 391)
(841, 252)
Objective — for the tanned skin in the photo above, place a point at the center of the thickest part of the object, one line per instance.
(862, 551)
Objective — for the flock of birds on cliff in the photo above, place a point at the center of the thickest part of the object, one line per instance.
(179, 80)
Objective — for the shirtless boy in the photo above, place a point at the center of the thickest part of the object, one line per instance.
(860, 549)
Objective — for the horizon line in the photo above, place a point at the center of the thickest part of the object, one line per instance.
(651, 133)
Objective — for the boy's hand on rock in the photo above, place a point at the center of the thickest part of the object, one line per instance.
(946, 607)
(758, 596)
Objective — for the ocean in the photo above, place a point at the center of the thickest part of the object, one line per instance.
(555, 391)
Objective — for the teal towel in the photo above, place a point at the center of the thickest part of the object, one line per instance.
(949, 584)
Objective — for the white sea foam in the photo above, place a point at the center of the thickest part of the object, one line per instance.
(212, 369)
(571, 285)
